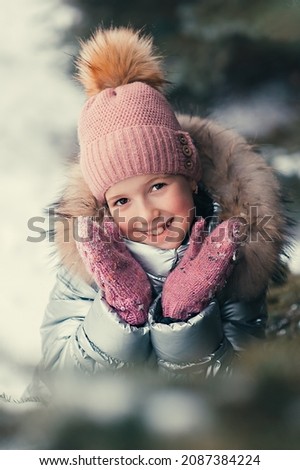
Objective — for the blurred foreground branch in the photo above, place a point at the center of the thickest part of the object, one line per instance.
(257, 407)
(284, 309)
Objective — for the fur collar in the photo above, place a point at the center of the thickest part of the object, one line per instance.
(235, 176)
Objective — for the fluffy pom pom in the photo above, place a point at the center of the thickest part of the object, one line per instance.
(117, 56)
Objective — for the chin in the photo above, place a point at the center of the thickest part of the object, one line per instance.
(164, 244)
(167, 240)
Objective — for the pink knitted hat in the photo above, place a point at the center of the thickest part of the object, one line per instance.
(128, 129)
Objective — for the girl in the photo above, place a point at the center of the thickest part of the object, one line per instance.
(168, 231)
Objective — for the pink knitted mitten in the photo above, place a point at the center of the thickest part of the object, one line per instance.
(125, 284)
(203, 270)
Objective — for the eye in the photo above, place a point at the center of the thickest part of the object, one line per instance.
(121, 202)
(158, 186)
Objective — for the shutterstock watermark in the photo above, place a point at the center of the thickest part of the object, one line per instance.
(252, 229)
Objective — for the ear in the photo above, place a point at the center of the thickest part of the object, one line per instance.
(193, 186)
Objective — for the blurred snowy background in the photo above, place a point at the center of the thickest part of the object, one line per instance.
(40, 104)
(39, 108)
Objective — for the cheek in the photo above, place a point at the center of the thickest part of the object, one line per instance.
(123, 227)
(120, 220)
(185, 211)
(185, 205)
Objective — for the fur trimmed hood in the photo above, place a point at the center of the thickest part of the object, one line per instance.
(235, 176)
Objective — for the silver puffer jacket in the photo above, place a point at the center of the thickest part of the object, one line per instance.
(80, 330)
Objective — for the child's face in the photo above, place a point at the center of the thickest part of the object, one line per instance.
(153, 209)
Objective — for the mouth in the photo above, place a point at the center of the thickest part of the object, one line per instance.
(159, 230)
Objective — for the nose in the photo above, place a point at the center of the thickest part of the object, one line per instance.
(148, 213)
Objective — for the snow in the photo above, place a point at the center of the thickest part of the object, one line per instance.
(39, 110)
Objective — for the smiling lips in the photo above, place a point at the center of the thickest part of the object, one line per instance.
(159, 229)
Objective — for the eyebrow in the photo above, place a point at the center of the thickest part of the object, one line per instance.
(159, 177)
